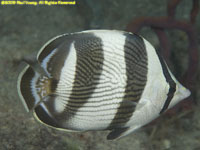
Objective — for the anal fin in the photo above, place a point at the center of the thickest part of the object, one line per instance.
(117, 133)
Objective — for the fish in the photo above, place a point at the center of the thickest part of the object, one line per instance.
(98, 80)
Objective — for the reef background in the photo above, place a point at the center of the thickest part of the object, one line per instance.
(24, 30)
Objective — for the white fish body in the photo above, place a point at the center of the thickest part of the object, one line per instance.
(99, 80)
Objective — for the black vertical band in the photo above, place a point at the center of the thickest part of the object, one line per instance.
(170, 81)
(136, 71)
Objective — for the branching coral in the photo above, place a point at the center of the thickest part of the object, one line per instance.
(160, 24)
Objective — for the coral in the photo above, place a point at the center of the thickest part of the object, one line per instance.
(159, 26)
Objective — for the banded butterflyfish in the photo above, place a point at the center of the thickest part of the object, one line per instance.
(98, 80)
